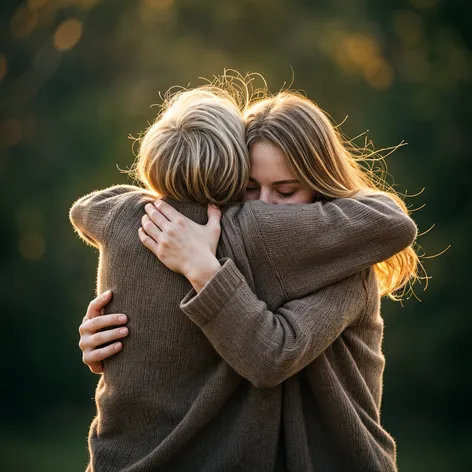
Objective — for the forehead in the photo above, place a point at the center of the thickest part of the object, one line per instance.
(268, 163)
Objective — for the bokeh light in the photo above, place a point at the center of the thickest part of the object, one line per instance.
(379, 73)
(31, 246)
(359, 54)
(23, 22)
(151, 12)
(68, 34)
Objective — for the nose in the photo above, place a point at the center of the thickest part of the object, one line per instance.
(265, 195)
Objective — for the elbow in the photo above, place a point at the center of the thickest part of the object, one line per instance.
(264, 383)
(404, 233)
(277, 366)
(76, 215)
(411, 231)
(401, 228)
(267, 378)
(398, 228)
(73, 217)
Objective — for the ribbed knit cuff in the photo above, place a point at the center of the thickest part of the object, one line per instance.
(203, 306)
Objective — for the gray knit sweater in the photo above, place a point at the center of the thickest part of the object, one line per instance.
(188, 391)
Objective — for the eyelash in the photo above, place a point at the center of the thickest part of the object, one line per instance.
(281, 195)
(286, 195)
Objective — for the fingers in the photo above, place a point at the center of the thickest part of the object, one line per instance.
(168, 211)
(104, 337)
(97, 304)
(96, 368)
(94, 358)
(151, 228)
(156, 216)
(148, 241)
(91, 338)
(92, 326)
(214, 216)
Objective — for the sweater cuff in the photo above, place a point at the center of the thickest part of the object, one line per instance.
(204, 306)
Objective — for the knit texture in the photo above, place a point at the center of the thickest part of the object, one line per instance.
(187, 392)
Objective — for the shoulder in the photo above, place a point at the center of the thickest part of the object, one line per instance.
(113, 197)
(93, 214)
(123, 192)
(131, 195)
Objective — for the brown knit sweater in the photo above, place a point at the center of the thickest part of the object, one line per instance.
(171, 401)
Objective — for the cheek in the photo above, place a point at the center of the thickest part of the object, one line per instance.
(248, 196)
(305, 196)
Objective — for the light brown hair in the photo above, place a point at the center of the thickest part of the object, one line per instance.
(195, 150)
(321, 158)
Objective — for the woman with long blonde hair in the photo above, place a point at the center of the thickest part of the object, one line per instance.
(318, 156)
(318, 331)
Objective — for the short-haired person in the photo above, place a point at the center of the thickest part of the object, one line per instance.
(291, 303)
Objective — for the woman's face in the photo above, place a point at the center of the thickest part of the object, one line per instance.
(270, 180)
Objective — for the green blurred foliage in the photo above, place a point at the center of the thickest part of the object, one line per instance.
(77, 77)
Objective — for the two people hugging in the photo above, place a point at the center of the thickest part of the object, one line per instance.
(251, 290)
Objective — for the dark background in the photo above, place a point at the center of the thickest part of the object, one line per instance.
(78, 76)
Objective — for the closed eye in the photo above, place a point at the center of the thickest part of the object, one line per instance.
(286, 195)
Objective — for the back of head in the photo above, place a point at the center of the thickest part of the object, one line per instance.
(196, 150)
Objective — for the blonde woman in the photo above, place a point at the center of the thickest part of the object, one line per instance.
(318, 329)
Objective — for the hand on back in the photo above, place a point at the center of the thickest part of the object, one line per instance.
(182, 245)
(179, 243)
(91, 336)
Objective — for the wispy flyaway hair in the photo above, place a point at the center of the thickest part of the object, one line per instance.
(321, 158)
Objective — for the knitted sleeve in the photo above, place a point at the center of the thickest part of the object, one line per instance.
(308, 247)
(92, 215)
(268, 347)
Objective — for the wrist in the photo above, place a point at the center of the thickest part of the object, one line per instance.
(199, 274)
